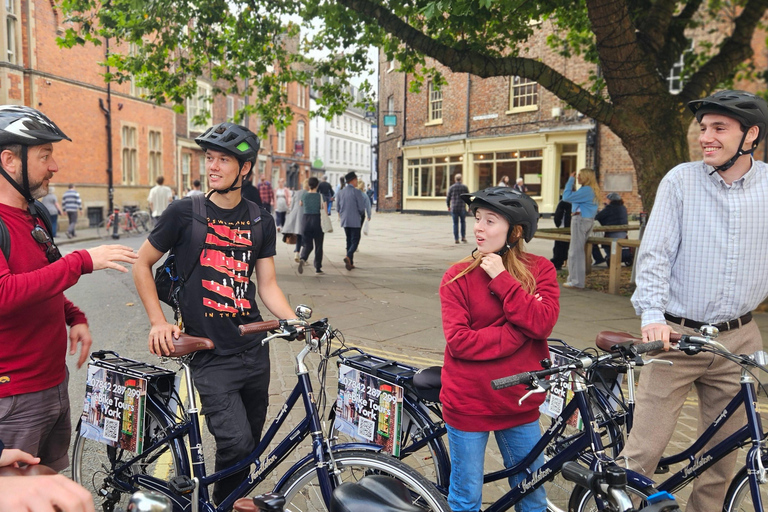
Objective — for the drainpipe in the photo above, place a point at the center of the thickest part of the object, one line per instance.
(108, 115)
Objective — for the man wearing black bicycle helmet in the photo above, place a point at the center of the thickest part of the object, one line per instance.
(224, 253)
(703, 262)
(34, 404)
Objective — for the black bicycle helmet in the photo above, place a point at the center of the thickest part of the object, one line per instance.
(516, 207)
(234, 139)
(27, 127)
(749, 110)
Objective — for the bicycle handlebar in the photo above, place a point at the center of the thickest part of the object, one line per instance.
(528, 377)
(256, 327)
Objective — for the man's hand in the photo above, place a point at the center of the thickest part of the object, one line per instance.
(50, 493)
(80, 333)
(12, 457)
(492, 264)
(653, 332)
(161, 338)
(106, 256)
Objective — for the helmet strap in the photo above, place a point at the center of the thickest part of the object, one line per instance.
(741, 152)
(21, 189)
(234, 185)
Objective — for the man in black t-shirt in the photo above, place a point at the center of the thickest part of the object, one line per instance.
(218, 296)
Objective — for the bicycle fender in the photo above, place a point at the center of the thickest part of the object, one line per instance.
(336, 448)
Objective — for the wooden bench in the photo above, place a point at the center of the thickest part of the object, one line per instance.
(614, 271)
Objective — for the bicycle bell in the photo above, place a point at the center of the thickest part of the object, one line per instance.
(303, 312)
(148, 501)
(710, 331)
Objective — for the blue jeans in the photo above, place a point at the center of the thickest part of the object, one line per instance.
(467, 457)
(353, 240)
(459, 216)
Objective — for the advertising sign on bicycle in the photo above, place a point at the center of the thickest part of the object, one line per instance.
(113, 410)
(560, 393)
(369, 409)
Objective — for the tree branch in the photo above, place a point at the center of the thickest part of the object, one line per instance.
(653, 29)
(734, 50)
(483, 66)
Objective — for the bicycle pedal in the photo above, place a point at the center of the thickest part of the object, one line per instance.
(181, 485)
(661, 470)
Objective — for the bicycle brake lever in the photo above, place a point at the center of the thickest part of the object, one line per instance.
(536, 387)
(650, 361)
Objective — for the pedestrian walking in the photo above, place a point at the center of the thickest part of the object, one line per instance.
(282, 203)
(351, 206)
(326, 190)
(52, 205)
(266, 193)
(72, 204)
(312, 233)
(458, 208)
(160, 196)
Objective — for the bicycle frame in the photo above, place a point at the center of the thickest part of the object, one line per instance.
(309, 426)
(752, 431)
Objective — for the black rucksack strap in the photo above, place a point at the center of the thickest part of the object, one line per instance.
(257, 232)
(37, 209)
(199, 233)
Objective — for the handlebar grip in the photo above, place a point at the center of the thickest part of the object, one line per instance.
(649, 347)
(578, 474)
(512, 380)
(256, 327)
(675, 337)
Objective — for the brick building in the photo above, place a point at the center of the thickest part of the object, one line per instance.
(147, 140)
(501, 126)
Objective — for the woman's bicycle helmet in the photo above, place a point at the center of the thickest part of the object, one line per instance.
(234, 139)
(749, 110)
(516, 207)
(27, 127)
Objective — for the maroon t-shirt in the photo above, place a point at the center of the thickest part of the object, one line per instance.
(34, 313)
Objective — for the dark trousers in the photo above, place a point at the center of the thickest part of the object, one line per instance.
(72, 216)
(234, 394)
(280, 219)
(313, 236)
(459, 218)
(560, 254)
(54, 224)
(299, 243)
(353, 240)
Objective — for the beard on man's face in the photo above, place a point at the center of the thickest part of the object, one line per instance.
(37, 189)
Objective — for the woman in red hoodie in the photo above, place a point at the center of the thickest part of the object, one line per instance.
(499, 305)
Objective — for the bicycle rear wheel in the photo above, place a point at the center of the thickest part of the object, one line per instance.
(583, 500)
(93, 465)
(739, 497)
(302, 491)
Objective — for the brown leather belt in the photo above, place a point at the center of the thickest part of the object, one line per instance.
(722, 326)
(575, 213)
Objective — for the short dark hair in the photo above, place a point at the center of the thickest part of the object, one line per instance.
(313, 182)
(196, 183)
(13, 148)
(160, 180)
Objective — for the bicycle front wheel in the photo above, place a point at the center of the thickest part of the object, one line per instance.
(583, 500)
(302, 491)
(94, 463)
(739, 496)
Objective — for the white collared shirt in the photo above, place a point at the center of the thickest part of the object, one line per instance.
(704, 254)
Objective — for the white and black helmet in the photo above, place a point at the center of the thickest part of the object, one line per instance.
(27, 127)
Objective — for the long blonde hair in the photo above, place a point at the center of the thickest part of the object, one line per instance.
(516, 261)
(590, 180)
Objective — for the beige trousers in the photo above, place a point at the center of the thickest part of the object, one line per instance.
(660, 397)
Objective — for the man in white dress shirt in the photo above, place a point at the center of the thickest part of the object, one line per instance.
(703, 261)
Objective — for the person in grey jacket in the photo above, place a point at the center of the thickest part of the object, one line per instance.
(351, 206)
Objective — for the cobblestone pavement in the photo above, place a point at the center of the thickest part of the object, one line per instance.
(389, 306)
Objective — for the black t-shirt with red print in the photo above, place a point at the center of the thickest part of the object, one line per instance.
(219, 295)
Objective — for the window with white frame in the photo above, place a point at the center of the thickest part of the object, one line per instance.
(301, 92)
(390, 178)
(12, 28)
(230, 108)
(338, 153)
(675, 78)
(199, 103)
(186, 163)
(435, 103)
(129, 154)
(523, 94)
(430, 177)
(203, 178)
(155, 162)
(281, 141)
(344, 153)
(390, 110)
(136, 91)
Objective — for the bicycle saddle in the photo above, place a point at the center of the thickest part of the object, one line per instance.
(607, 339)
(187, 344)
(269, 502)
(375, 492)
(31, 470)
(427, 383)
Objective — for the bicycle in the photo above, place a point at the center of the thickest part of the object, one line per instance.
(130, 222)
(423, 429)
(749, 489)
(162, 465)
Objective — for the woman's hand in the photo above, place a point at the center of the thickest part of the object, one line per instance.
(573, 174)
(492, 264)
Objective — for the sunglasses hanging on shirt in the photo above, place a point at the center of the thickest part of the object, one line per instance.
(41, 236)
